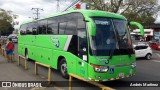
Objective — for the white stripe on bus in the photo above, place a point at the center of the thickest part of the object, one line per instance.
(67, 42)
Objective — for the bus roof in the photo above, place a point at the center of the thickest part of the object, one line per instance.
(86, 13)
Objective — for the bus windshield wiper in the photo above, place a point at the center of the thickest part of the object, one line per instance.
(129, 53)
(111, 54)
(112, 51)
(124, 43)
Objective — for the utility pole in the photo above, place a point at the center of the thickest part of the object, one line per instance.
(58, 7)
(37, 12)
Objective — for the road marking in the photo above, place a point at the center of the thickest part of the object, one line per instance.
(38, 88)
(155, 60)
(57, 88)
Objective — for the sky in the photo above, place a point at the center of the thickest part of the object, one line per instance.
(22, 8)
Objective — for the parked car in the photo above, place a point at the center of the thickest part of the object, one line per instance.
(143, 43)
(155, 45)
(14, 38)
(3, 39)
(141, 40)
(142, 50)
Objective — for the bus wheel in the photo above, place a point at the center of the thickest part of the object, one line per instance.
(63, 68)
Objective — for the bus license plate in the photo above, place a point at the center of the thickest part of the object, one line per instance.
(121, 74)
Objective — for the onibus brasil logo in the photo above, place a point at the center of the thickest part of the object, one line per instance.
(21, 84)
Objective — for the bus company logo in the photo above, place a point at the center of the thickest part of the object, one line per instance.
(6, 84)
(106, 62)
(102, 59)
(55, 41)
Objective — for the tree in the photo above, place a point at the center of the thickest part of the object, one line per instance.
(137, 10)
(5, 22)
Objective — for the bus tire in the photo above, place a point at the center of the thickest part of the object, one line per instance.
(63, 68)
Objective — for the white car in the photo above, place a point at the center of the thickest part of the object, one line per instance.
(143, 51)
(14, 39)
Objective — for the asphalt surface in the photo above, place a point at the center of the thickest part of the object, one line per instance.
(147, 70)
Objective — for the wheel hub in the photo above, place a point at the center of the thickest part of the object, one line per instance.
(64, 68)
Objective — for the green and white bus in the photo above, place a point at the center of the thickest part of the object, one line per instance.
(92, 44)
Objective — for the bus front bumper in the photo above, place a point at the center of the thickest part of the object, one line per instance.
(113, 73)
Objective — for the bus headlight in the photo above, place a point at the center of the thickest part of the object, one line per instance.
(98, 68)
(133, 65)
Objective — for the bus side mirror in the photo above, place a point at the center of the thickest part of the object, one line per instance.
(138, 25)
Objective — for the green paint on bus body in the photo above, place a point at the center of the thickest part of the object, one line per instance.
(48, 49)
(139, 26)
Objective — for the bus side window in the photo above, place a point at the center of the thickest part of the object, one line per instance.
(62, 27)
(29, 29)
(52, 28)
(42, 27)
(34, 28)
(49, 29)
(23, 29)
(81, 22)
(71, 28)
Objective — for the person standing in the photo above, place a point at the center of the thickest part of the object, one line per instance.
(9, 49)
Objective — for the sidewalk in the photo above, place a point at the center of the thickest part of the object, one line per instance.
(13, 72)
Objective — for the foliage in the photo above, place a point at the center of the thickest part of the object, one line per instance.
(5, 22)
(134, 10)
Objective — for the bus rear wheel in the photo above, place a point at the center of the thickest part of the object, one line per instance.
(63, 68)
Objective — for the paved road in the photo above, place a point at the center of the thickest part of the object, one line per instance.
(147, 70)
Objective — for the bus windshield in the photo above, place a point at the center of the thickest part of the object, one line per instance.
(111, 34)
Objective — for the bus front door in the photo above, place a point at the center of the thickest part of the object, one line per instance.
(82, 65)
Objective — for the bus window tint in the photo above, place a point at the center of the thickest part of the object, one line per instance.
(23, 29)
(52, 20)
(34, 28)
(82, 40)
(71, 28)
(62, 27)
(81, 22)
(29, 28)
(42, 27)
(104, 38)
(122, 33)
(52, 28)
(82, 43)
(71, 24)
